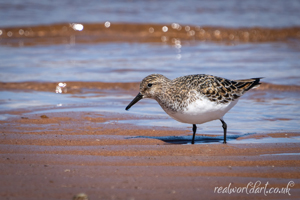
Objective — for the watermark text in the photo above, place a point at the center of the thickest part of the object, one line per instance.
(256, 188)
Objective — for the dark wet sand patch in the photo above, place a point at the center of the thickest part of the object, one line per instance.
(143, 33)
(101, 87)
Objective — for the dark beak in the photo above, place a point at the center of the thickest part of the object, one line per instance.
(134, 101)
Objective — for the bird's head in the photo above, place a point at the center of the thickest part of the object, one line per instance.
(150, 87)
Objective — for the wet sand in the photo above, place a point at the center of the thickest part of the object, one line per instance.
(145, 33)
(56, 155)
(76, 87)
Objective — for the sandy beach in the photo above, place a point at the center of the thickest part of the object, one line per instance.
(48, 154)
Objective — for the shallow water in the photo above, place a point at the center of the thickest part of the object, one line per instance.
(275, 13)
(127, 62)
(254, 113)
(127, 52)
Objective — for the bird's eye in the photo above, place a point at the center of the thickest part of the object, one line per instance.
(149, 85)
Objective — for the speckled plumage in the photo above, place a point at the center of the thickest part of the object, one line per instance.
(178, 93)
(194, 99)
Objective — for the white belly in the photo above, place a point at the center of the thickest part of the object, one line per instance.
(201, 111)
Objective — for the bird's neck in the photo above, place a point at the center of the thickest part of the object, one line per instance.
(166, 98)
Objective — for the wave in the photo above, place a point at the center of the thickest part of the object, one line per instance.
(146, 33)
(77, 87)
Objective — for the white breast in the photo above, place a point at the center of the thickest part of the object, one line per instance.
(201, 111)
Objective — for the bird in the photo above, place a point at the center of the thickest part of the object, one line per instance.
(194, 99)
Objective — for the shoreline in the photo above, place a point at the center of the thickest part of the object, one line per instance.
(76, 86)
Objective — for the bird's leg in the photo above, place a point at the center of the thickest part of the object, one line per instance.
(224, 125)
(194, 132)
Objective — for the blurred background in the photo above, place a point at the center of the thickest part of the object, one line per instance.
(124, 41)
(51, 40)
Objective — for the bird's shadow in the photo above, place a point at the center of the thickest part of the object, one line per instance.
(188, 139)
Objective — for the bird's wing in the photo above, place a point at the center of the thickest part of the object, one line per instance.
(224, 90)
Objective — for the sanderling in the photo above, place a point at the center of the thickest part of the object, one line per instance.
(194, 99)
